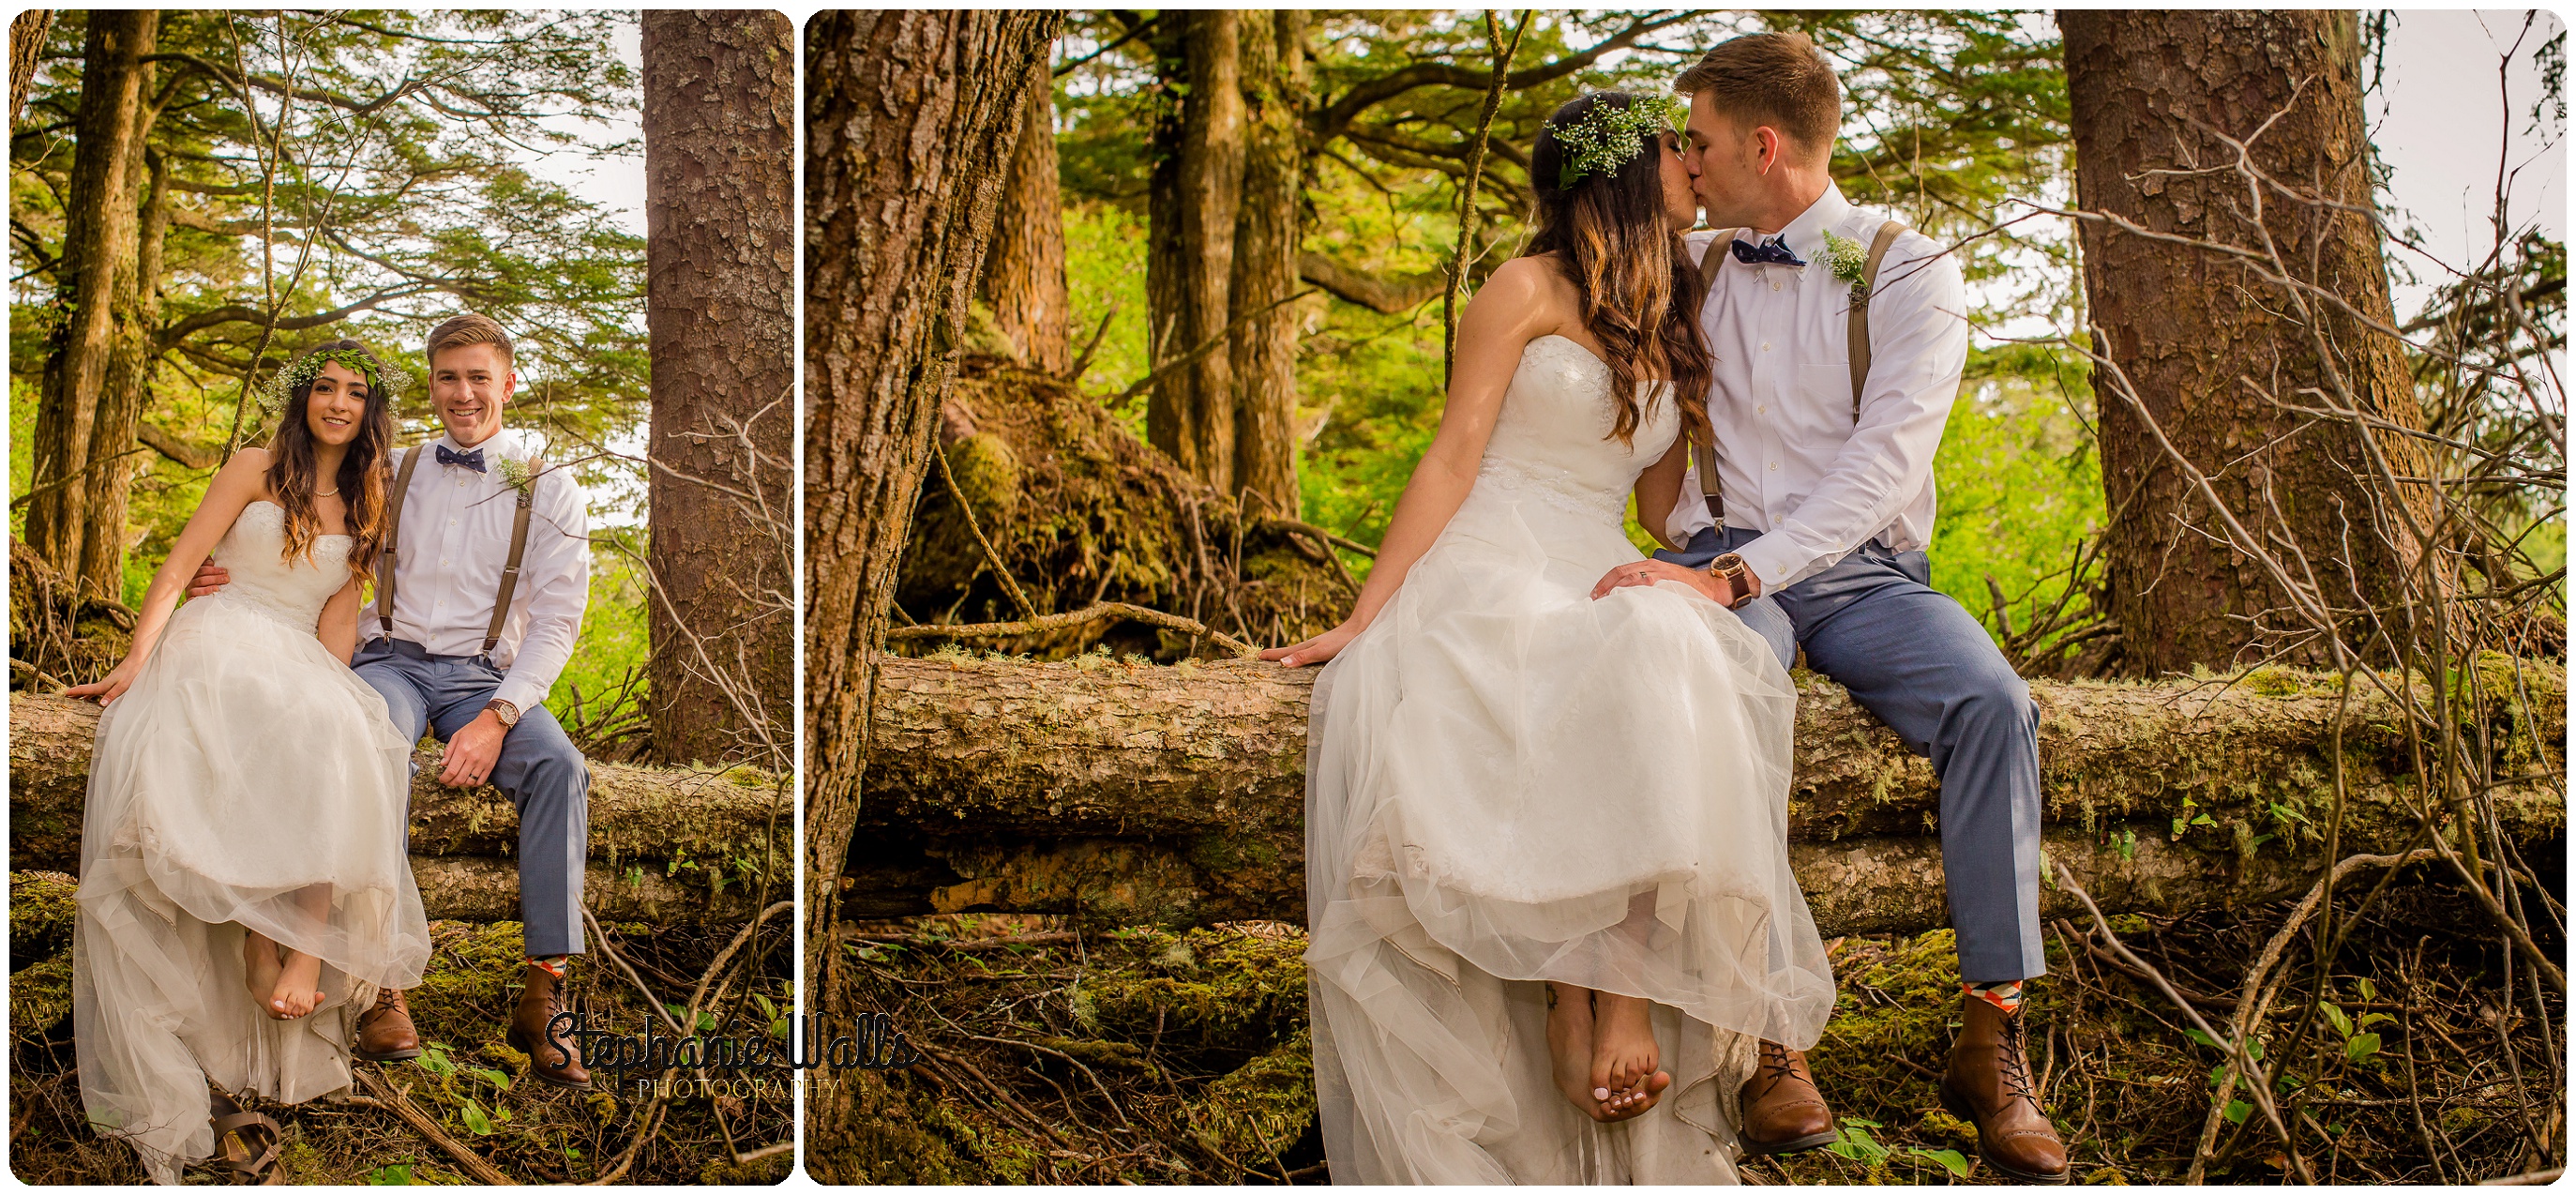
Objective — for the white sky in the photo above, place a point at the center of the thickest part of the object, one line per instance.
(2440, 127)
(2439, 122)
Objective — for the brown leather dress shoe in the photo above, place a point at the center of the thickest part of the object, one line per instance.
(539, 1000)
(1990, 1086)
(385, 1033)
(1783, 1111)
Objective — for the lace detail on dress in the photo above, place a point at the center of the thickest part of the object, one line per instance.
(1559, 488)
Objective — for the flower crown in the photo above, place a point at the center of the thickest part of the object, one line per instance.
(382, 378)
(1609, 136)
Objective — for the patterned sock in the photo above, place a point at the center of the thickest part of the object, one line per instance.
(2005, 995)
(554, 965)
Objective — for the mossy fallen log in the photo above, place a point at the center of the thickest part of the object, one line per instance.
(1176, 794)
(666, 845)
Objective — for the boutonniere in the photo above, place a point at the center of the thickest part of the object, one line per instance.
(1847, 257)
(515, 474)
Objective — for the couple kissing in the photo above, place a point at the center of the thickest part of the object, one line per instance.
(1555, 936)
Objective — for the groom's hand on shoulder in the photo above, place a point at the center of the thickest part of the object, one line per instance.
(210, 577)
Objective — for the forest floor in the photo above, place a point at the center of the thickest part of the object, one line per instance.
(471, 1084)
(1064, 1054)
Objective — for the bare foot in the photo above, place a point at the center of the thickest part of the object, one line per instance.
(298, 990)
(1624, 1055)
(259, 967)
(1569, 1046)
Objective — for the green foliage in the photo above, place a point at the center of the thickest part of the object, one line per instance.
(616, 631)
(1947, 114)
(411, 138)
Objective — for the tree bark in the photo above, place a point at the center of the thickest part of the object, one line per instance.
(1197, 191)
(1177, 794)
(719, 148)
(2197, 332)
(1023, 280)
(1266, 242)
(910, 119)
(27, 33)
(658, 837)
(97, 276)
(125, 390)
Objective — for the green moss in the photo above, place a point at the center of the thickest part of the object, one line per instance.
(40, 997)
(1259, 1109)
(41, 911)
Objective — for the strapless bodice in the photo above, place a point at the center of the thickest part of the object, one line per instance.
(1552, 440)
(253, 552)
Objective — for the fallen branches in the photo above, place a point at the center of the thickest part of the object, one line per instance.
(390, 1099)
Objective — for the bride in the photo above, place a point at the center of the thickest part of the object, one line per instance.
(244, 883)
(1547, 869)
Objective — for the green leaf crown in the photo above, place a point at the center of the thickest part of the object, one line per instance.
(382, 378)
(1609, 136)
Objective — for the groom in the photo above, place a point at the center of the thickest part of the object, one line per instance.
(479, 599)
(1819, 499)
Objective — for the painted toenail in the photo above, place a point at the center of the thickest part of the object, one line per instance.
(1601, 1093)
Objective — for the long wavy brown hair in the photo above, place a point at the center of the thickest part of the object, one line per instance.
(1641, 294)
(361, 480)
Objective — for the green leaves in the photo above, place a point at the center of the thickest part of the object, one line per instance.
(1950, 1159)
(2360, 1046)
(395, 1175)
(1854, 1141)
(434, 1059)
(477, 1121)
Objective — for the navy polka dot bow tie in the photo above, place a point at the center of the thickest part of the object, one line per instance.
(1771, 252)
(471, 460)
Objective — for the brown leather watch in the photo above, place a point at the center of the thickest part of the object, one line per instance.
(1731, 567)
(506, 712)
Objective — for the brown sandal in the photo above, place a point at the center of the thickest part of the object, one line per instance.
(239, 1149)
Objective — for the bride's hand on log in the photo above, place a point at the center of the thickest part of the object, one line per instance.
(1316, 650)
(106, 688)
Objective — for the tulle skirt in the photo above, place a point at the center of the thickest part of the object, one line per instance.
(245, 765)
(1510, 782)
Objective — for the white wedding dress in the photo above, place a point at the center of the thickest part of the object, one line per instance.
(245, 763)
(1499, 768)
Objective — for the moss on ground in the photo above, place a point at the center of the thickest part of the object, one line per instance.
(469, 1081)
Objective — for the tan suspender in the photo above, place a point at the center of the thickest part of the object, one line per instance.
(393, 532)
(509, 571)
(1712, 259)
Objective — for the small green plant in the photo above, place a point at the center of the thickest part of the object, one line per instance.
(434, 1059)
(1950, 1159)
(1853, 1141)
(396, 1175)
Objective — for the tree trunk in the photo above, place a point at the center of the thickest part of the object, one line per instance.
(2196, 331)
(97, 268)
(1197, 190)
(910, 119)
(659, 839)
(1023, 279)
(1177, 794)
(27, 33)
(719, 120)
(1265, 259)
(126, 390)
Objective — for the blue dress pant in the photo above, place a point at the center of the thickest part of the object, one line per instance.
(1909, 654)
(539, 770)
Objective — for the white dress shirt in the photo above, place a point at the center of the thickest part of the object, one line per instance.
(1792, 464)
(455, 541)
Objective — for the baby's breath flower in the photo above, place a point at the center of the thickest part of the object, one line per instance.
(514, 472)
(1609, 136)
